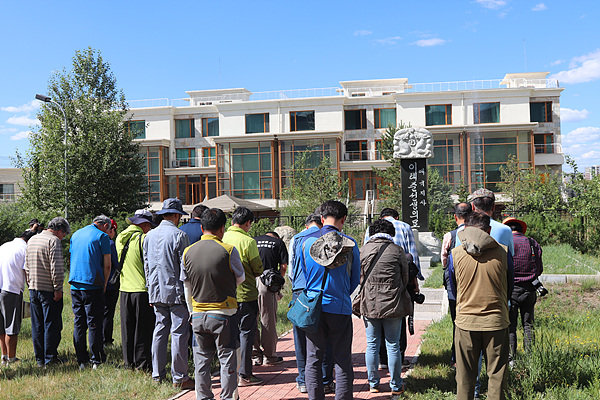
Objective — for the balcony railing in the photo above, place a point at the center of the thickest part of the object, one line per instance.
(8, 196)
(194, 162)
(549, 148)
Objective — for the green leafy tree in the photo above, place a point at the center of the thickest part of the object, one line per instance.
(440, 203)
(105, 171)
(462, 191)
(313, 181)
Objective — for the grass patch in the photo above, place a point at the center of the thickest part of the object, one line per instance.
(564, 362)
(436, 279)
(563, 259)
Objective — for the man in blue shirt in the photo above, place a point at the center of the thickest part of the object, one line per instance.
(90, 269)
(194, 227)
(338, 254)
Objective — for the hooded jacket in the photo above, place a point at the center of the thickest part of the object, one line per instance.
(482, 280)
(384, 292)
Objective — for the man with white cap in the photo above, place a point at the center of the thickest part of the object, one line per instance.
(163, 250)
(137, 316)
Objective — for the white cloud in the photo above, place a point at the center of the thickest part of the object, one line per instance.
(430, 42)
(23, 120)
(389, 40)
(539, 7)
(557, 62)
(581, 69)
(21, 135)
(569, 115)
(362, 32)
(25, 108)
(591, 154)
(5, 130)
(580, 138)
(491, 4)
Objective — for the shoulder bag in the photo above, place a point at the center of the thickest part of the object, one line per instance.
(305, 312)
(357, 300)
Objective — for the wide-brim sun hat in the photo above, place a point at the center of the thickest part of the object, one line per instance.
(331, 249)
(172, 206)
(516, 221)
(141, 216)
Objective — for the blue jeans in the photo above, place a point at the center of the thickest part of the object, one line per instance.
(88, 309)
(392, 328)
(46, 325)
(300, 349)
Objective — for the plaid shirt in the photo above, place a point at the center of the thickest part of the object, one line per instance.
(44, 263)
(526, 269)
(404, 238)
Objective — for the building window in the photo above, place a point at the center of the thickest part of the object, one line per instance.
(361, 181)
(257, 123)
(208, 156)
(486, 113)
(157, 159)
(543, 143)
(302, 121)
(137, 128)
(7, 191)
(316, 149)
(186, 157)
(355, 119)
(447, 156)
(438, 114)
(540, 111)
(210, 127)
(184, 128)
(489, 153)
(357, 150)
(245, 170)
(385, 117)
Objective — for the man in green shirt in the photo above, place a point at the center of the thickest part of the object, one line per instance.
(137, 316)
(246, 293)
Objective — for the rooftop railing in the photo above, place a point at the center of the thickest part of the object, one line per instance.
(349, 92)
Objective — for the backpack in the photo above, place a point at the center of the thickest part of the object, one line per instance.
(272, 280)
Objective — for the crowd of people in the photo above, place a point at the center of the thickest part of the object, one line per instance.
(209, 287)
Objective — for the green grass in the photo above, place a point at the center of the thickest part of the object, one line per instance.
(436, 279)
(563, 259)
(564, 362)
(24, 380)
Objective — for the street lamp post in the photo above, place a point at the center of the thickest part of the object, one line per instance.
(47, 99)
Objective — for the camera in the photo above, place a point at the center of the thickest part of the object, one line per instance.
(418, 298)
(540, 289)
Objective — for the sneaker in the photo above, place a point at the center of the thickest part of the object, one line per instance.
(406, 362)
(56, 361)
(257, 360)
(329, 388)
(374, 389)
(301, 388)
(250, 380)
(81, 366)
(190, 384)
(95, 366)
(274, 361)
(398, 394)
(383, 366)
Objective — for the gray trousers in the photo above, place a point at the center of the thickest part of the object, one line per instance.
(215, 334)
(265, 340)
(171, 319)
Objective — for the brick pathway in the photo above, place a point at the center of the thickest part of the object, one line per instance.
(280, 380)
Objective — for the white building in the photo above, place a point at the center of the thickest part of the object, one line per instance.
(590, 172)
(236, 142)
(10, 183)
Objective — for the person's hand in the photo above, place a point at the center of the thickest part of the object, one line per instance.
(416, 284)
(279, 296)
(58, 295)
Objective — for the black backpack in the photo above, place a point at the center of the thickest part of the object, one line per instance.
(272, 280)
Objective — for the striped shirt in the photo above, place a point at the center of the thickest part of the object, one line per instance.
(44, 263)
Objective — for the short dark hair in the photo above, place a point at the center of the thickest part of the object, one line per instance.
(213, 219)
(316, 218)
(485, 204)
(198, 210)
(334, 208)
(241, 215)
(272, 233)
(382, 226)
(389, 212)
(27, 235)
(478, 220)
(461, 210)
(515, 226)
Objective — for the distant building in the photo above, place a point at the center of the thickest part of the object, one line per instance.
(236, 142)
(10, 180)
(590, 172)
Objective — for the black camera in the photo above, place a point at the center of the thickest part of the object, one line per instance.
(540, 289)
(418, 298)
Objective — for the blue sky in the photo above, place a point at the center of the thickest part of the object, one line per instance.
(160, 49)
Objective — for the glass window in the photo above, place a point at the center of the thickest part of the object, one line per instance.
(302, 121)
(184, 128)
(319, 149)
(245, 170)
(540, 111)
(210, 127)
(208, 156)
(357, 150)
(438, 114)
(186, 157)
(154, 170)
(486, 113)
(385, 117)
(355, 119)
(257, 123)
(137, 128)
(447, 157)
(543, 143)
(361, 181)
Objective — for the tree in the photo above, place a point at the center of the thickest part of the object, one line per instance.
(313, 181)
(391, 186)
(105, 169)
(440, 203)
